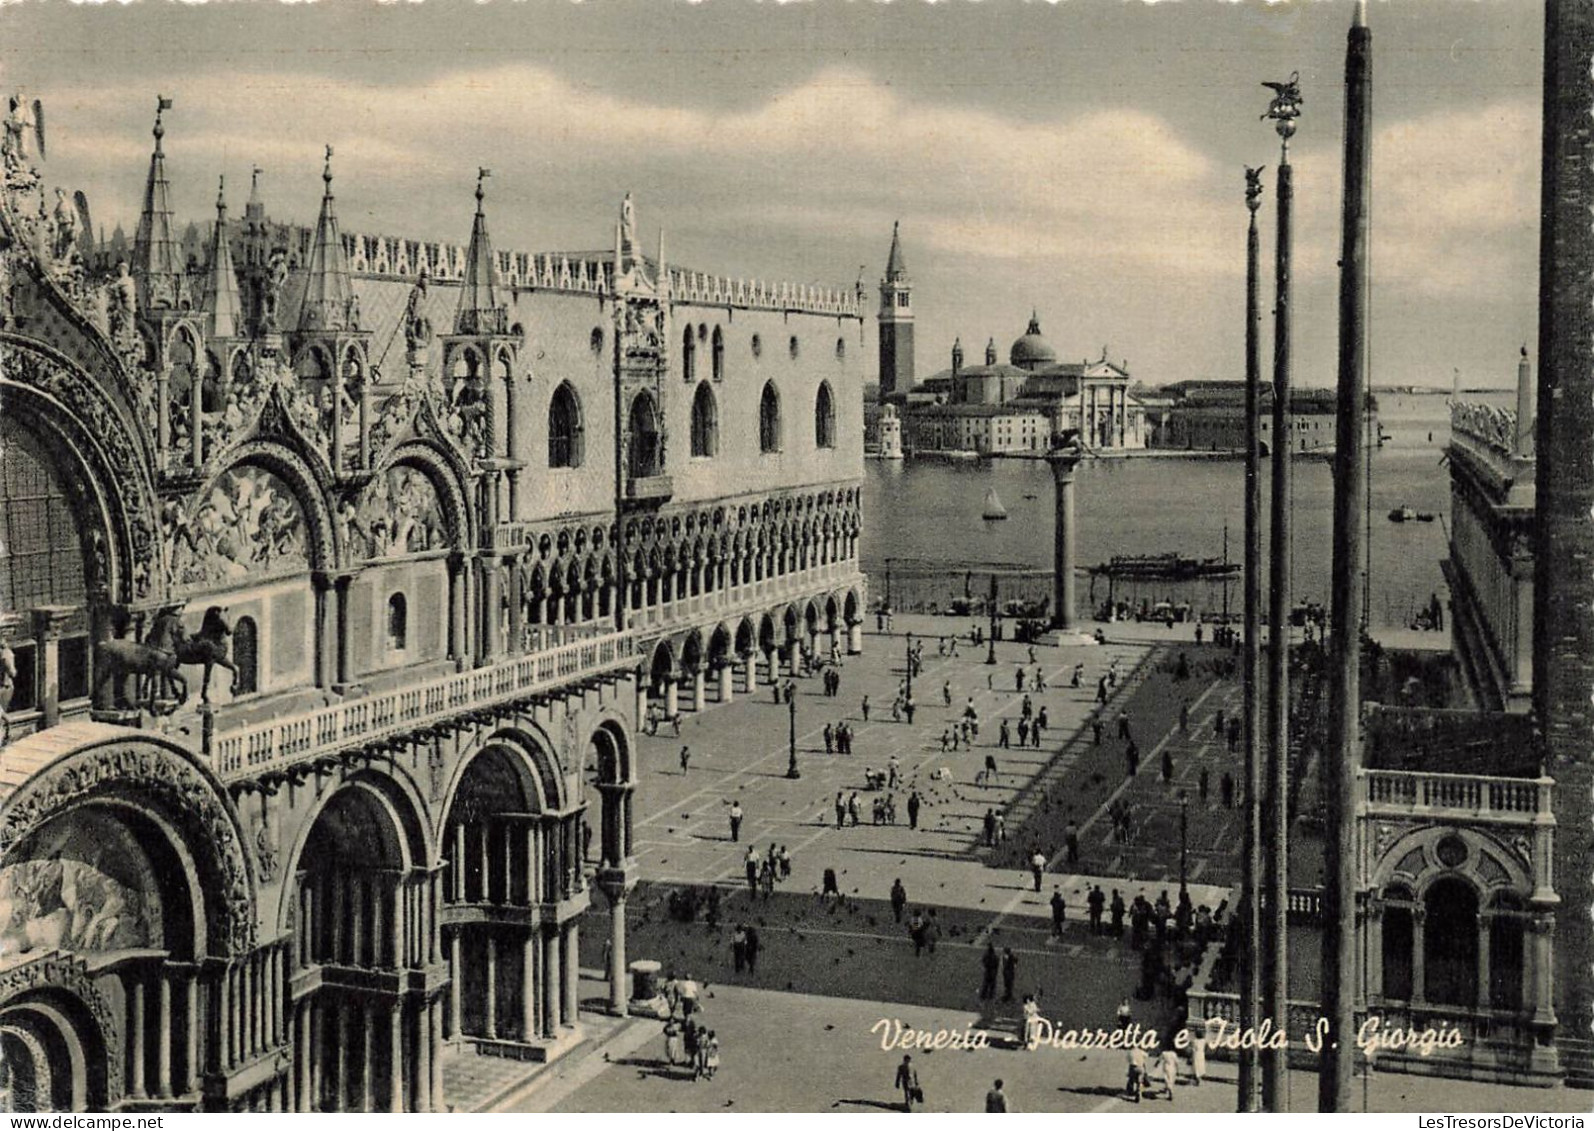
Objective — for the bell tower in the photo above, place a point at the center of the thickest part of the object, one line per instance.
(896, 322)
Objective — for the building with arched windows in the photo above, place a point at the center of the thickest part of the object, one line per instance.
(337, 573)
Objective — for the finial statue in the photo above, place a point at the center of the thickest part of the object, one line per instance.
(1286, 104)
(24, 127)
(627, 222)
(481, 176)
(1253, 187)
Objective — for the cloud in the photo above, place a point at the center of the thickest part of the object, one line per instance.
(1130, 227)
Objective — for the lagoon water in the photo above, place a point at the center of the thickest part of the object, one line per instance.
(932, 511)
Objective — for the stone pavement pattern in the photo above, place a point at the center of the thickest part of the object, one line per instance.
(826, 1058)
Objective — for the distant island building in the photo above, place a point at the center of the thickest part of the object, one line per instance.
(1209, 416)
(992, 408)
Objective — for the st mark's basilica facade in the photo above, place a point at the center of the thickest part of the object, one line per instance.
(338, 574)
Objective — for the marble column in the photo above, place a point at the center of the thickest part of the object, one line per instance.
(1485, 922)
(528, 986)
(550, 981)
(1419, 964)
(572, 971)
(136, 1058)
(163, 1049)
(456, 997)
(1063, 464)
(491, 999)
(727, 674)
(436, 1057)
(617, 962)
(855, 638)
(395, 1054)
(423, 1058)
(341, 597)
(698, 686)
(672, 697)
(191, 1035)
(368, 1054)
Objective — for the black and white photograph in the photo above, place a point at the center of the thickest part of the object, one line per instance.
(818, 557)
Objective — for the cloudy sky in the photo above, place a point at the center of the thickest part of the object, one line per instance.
(1083, 159)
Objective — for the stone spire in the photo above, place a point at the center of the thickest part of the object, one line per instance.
(157, 264)
(990, 351)
(221, 284)
(479, 309)
(1035, 324)
(328, 294)
(895, 268)
(957, 356)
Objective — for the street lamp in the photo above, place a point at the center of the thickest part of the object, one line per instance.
(791, 713)
(1184, 839)
(990, 656)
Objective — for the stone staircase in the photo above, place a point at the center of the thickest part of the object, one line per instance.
(1577, 1058)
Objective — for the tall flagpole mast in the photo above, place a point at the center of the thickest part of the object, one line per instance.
(1251, 863)
(1338, 1064)
(1283, 111)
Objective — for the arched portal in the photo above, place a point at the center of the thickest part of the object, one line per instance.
(513, 853)
(364, 917)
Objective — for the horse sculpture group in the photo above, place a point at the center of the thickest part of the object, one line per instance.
(158, 658)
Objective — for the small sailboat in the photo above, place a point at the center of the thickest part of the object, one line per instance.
(994, 510)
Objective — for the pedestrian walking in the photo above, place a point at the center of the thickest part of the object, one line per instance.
(996, 1099)
(990, 966)
(1116, 908)
(990, 769)
(1134, 1087)
(908, 1083)
(1037, 867)
(1132, 756)
(946, 692)
(750, 863)
(739, 947)
(913, 809)
(1059, 911)
(1227, 790)
(1167, 765)
(1071, 838)
(1023, 731)
(1095, 901)
(672, 1039)
(736, 821)
(1009, 972)
(1002, 735)
(1170, 1070)
(1001, 827)
(853, 808)
(1198, 1054)
(990, 828)
(899, 898)
(841, 810)
(1123, 725)
(752, 950)
(686, 756)
(1095, 730)
(864, 706)
(917, 928)
(830, 739)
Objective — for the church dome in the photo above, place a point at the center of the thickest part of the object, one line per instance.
(1032, 350)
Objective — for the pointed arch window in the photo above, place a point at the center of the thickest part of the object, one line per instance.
(824, 417)
(705, 422)
(645, 449)
(718, 353)
(689, 355)
(769, 419)
(564, 428)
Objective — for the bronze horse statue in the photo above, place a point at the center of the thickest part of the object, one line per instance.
(155, 660)
(209, 648)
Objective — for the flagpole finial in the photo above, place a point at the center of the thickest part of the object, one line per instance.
(326, 169)
(162, 104)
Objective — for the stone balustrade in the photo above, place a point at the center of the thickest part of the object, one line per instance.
(1523, 801)
(278, 744)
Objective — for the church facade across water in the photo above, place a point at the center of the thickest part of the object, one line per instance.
(339, 571)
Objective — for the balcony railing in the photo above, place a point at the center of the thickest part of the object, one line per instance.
(277, 745)
(1501, 800)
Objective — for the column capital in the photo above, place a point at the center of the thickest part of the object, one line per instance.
(50, 620)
